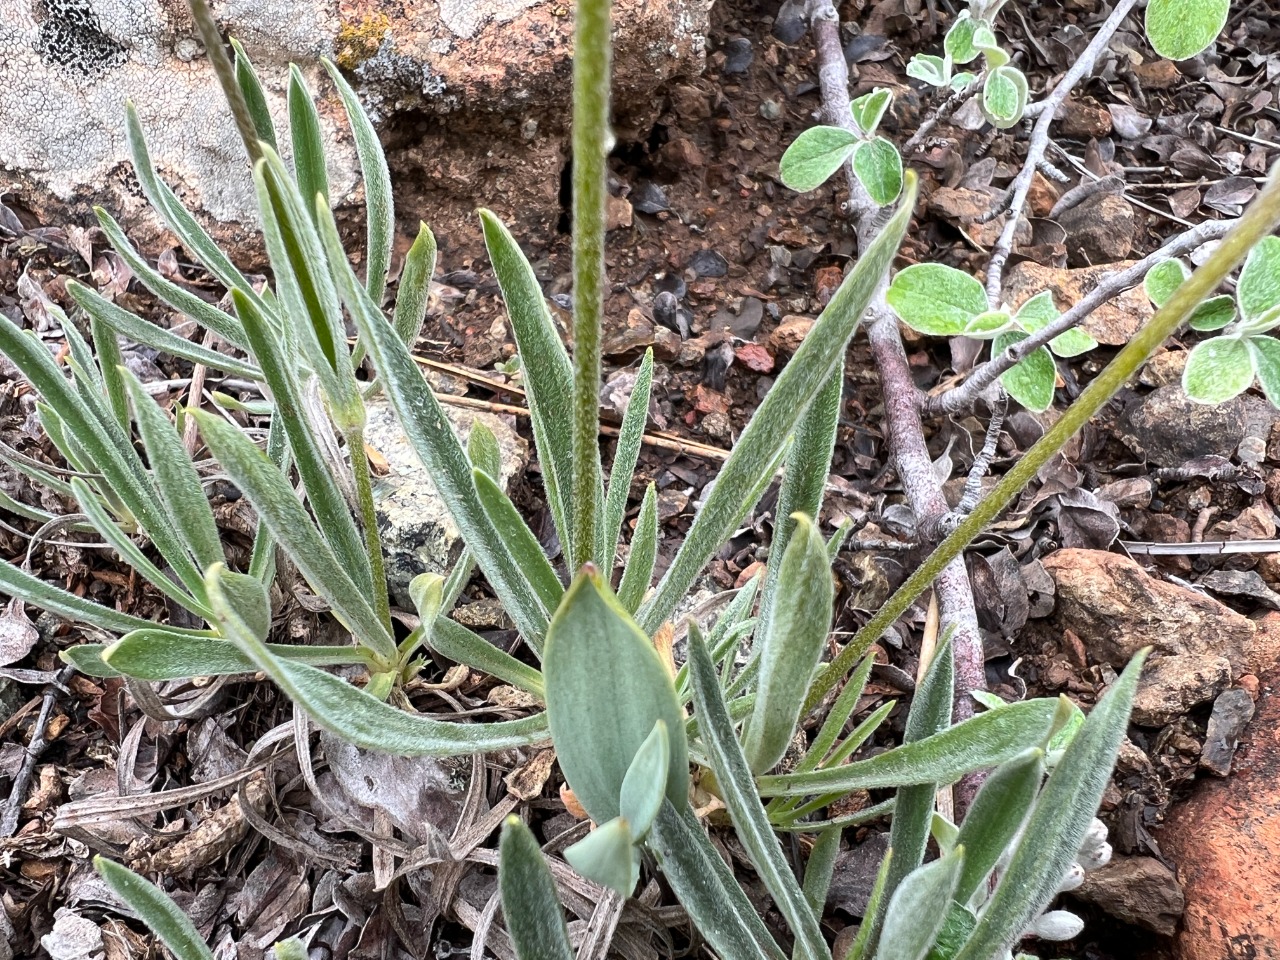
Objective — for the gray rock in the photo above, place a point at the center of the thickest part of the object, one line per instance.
(1232, 711)
(418, 536)
(1137, 890)
(1170, 428)
(855, 874)
(1171, 686)
(1241, 583)
(1100, 230)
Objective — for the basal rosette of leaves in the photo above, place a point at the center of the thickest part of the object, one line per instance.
(1244, 353)
(941, 301)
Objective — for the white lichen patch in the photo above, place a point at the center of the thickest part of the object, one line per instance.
(67, 67)
(465, 17)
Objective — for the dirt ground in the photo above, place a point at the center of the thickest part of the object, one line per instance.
(698, 212)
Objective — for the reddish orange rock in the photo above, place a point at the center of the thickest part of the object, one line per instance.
(1224, 843)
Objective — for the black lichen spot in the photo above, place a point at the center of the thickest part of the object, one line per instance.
(71, 38)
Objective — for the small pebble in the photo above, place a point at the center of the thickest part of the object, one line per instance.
(649, 198)
(770, 110)
(738, 56)
(1232, 711)
(708, 263)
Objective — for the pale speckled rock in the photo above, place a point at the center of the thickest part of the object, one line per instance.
(1170, 686)
(418, 536)
(68, 66)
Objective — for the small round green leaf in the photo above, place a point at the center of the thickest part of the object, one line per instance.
(1214, 314)
(878, 167)
(869, 109)
(1163, 279)
(1218, 370)
(1032, 380)
(935, 299)
(814, 156)
(986, 326)
(962, 80)
(1180, 29)
(959, 45)
(1004, 97)
(1258, 291)
(1039, 312)
(1266, 363)
(932, 70)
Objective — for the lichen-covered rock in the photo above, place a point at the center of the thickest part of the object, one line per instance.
(418, 535)
(68, 66)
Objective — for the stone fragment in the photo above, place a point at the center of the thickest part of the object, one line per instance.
(1169, 428)
(1085, 118)
(1170, 686)
(1137, 890)
(790, 334)
(418, 535)
(1116, 609)
(1100, 230)
(1114, 323)
(1224, 844)
(1232, 712)
(855, 874)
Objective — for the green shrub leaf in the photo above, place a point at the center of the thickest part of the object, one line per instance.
(1214, 314)
(878, 167)
(1265, 352)
(1218, 370)
(869, 109)
(1258, 291)
(915, 915)
(935, 299)
(995, 817)
(529, 905)
(814, 156)
(1180, 29)
(930, 69)
(1004, 96)
(1163, 279)
(519, 540)
(308, 147)
(606, 687)
(1032, 379)
(958, 43)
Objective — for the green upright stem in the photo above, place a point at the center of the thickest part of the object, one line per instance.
(590, 151)
(226, 74)
(1258, 221)
(369, 521)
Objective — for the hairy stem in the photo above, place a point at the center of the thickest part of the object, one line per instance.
(226, 74)
(369, 521)
(590, 152)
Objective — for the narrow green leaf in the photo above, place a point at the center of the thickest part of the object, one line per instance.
(254, 98)
(838, 716)
(433, 439)
(1218, 370)
(110, 359)
(878, 167)
(1031, 381)
(630, 438)
(532, 913)
(986, 740)
(193, 237)
(707, 888)
(1180, 29)
(1058, 823)
(519, 540)
(819, 869)
(791, 642)
(380, 217)
(935, 299)
(956, 929)
(159, 654)
(133, 327)
(455, 642)
(176, 479)
(645, 784)
(995, 817)
(608, 856)
(814, 156)
(356, 716)
(644, 553)
(333, 517)
(1258, 290)
(164, 917)
(748, 470)
(414, 288)
(804, 478)
(278, 506)
(483, 450)
(308, 145)
(606, 687)
(915, 915)
(733, 775)
(548, 374)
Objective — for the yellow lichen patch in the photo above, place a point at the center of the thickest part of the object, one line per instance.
(359, 40)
